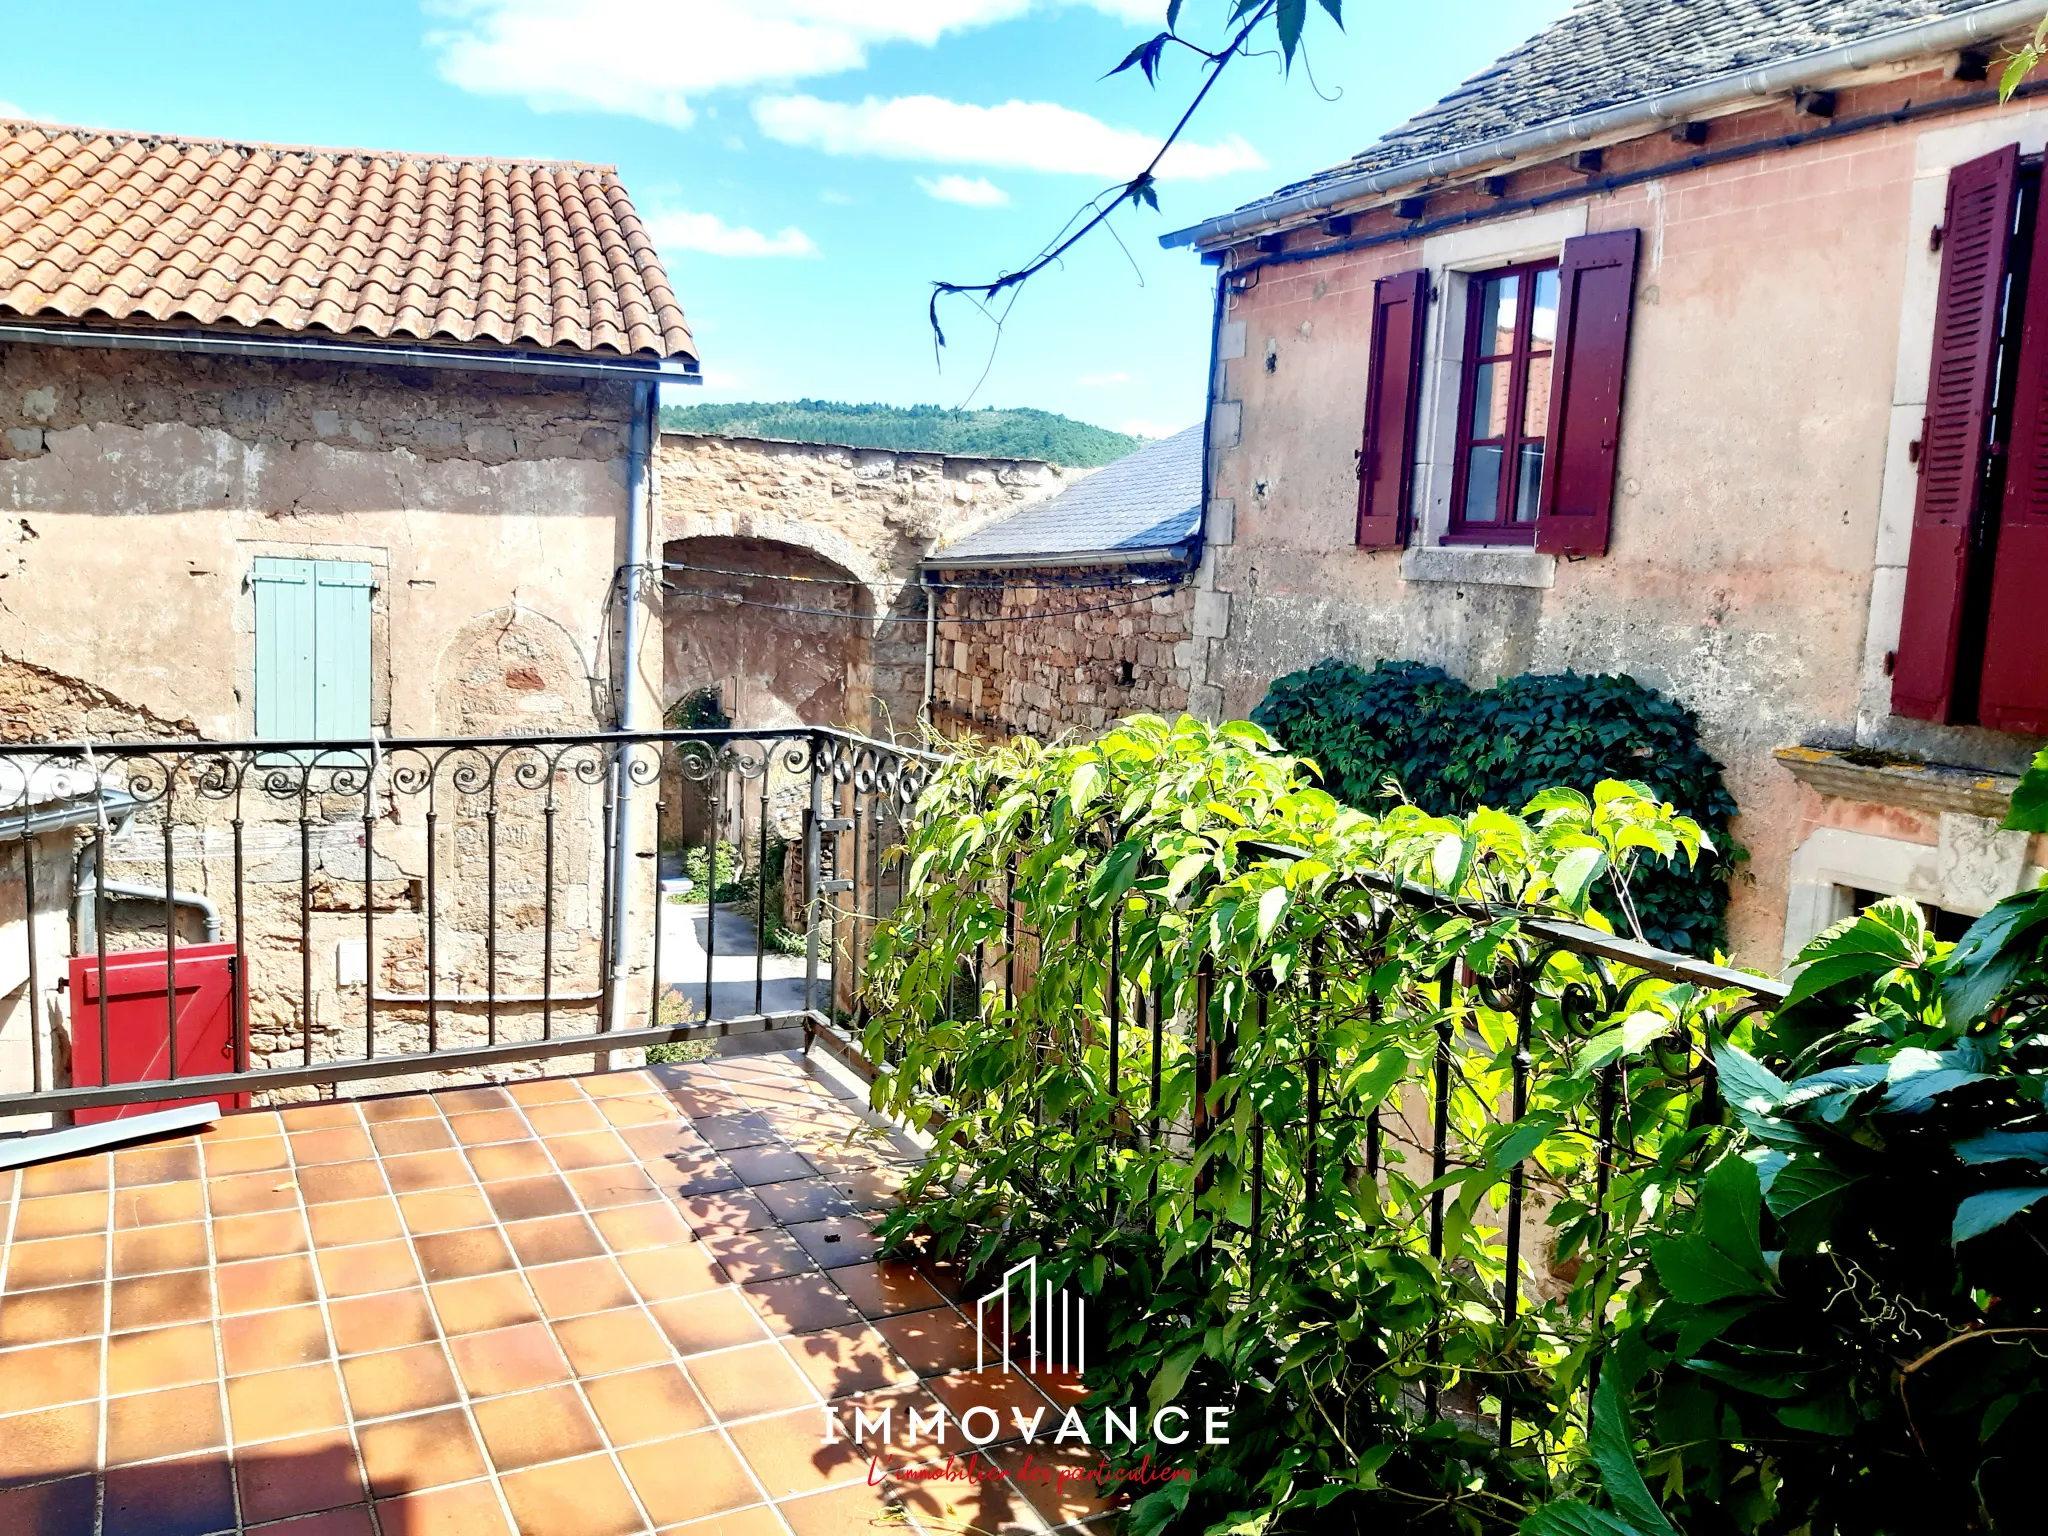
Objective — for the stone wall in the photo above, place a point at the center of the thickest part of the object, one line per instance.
(863, 514)
(1061, 658)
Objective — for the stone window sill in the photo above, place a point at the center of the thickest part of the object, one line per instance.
(1477, 565)
(1932, 787)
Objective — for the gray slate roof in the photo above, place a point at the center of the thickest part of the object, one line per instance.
(1607, 52)
(1147, 500)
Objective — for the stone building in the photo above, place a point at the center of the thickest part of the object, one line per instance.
(1671, 344)
(1074, 611)
(314, 444)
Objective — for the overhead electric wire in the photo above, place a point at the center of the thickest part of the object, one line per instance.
(954, 586)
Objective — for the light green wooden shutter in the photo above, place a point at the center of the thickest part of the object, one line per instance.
(312, 649)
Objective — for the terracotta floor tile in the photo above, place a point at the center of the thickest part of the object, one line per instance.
(258, 1237)
(788, 1454)
(398, 1381)
(840, 1361)
(646, 1405)
(170, 1498)
(735, 1211)
(509, 1160)
(607, 1085)
(298, 1476)
(629, 1227)
(638, 1109)
(256, 1285)
(47, 1316)
(394, 1138)
(60, 1215)
(873, 1190)
(483, 1302)
(946, 1276)
(444, 1210)
(160, 1164)
(741, 1383)
(524, 1199)
(50, 1509)
(681, 1269)
(68, 1176)
(749, 1128)
(649, 1143)
(319, 1117)
(404, 1106)
(490, 1125)
(565, 1118)
(162, 1357)
(238, 1195)
(337, 1144)
(246, 1154)
(456, 1255)
(803, 1200)
(589, 1149)
(684, 1175)
(852, 1510)
(51, 1442)
(464, 1103)
(620, 1184)
(145, 1301)
(531, 1427)
(333, 1183)
(425, 1450)
(688, 1479)
(427, 1170)
(701, 1103)
(274, 1404)
(348, 1222)
(149, 1426)
(351, 1520)
(508, 1360)
(152, 1250)
(934, 1342)
(1004, 1394)
(553, 1239)
(714, 1320)
(390, 1320)
(366, 1268)
(763, 1255)
(153, 1204)
(838, 1240)
(581, 1285)
(881, 1289)
(47, 1374)
(545, 1090)
(1035, 1471)
(993, 1507)
(467, 1509)
(770, 1164)
(572, 1498)
(270, 1341)
(56, 1261)
(799, 1303)
(602, 1342)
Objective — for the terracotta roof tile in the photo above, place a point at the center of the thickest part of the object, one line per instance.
(122, 226)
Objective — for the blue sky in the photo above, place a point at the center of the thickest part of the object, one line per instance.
(809, 166)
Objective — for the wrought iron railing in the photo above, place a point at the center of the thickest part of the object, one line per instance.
(192, 919)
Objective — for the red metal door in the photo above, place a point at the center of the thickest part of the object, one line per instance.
(211, 997)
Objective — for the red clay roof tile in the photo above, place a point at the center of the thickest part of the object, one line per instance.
(124, 226)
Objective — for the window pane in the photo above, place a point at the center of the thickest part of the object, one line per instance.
(1528, 481)
(1536, 403)
(1497, 315)
(1482, 485)
(1490, 399)
(1543, 318)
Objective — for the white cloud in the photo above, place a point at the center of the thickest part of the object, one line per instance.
(1020, 135)
(13, 113)
(975, 192)
(649, 58)
(707, 232)
(1102, 380)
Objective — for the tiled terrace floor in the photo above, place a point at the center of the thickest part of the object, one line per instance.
(564, 1307)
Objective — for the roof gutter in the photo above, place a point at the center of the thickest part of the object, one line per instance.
(373, 354)
(1155, 555)
(1947, 34)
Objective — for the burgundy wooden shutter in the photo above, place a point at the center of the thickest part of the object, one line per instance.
(2014, 692)
(1596, 296)
(1976, 233)
(1393, 397)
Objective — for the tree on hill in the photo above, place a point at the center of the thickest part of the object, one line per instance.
(1018, 433)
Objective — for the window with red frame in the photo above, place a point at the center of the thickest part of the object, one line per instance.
(1504, 404)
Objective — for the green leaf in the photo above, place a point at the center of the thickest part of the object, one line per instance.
(1990, 955)
(1723, 1257)
(1568, 1517)
(1754, 1092)
(1915, 1078)
(1272, 903)
(1577, 871)
(1980, 1213)
(2005, 1147)
(2029, 810)
(1524, 1137)
(1291, 16)
(1173, 1374)
(1803, 1197)
(1336, 10)
(1610, 1445)
(1635, 1032)
(1154, 1512)
(1087, 781)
